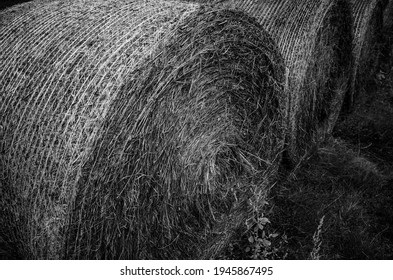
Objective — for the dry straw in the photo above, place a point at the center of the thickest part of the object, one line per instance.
(314, 37)
(135, 129)
(367, 27)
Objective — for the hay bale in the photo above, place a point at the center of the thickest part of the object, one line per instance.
(367, 42)
(314, 37)
(137, 129)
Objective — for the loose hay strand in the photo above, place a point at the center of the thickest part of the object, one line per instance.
(135, 129)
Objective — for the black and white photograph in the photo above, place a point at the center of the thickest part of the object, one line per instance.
(247, 130)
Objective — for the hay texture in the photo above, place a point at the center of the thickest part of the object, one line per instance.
(367, 42)
(388, 17)
(136, 129)
(10, 10)
(314, 37)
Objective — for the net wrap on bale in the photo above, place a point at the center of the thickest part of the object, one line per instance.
(136, 129)
(314, 37)
(367, 42)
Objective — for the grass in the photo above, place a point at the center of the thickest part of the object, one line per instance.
(336, 205)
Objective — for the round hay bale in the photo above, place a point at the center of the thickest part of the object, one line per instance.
(137, 129)
(314, 37)
(367, 43)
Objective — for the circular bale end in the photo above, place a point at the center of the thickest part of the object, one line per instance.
(137, 129)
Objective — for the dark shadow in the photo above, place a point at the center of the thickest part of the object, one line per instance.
(8, 3)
